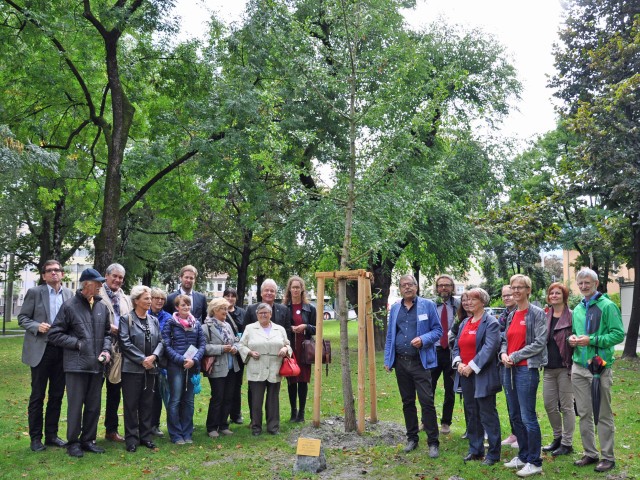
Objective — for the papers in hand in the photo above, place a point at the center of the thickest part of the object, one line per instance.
(190, 353)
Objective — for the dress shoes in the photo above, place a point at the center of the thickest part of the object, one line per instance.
(55, 442)
(605, 465)
(238, 420)
(149, 444)
(488, 462)
(434, 451)
(114, 437)
(411, 445)
(92, 447)
(37, 446)
(472, 457)
(75, 450)
(584, 461)
(157, 432)
(553, 445)
(562, 450)
(132, 448)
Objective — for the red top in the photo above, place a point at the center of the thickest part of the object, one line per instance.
(517, 334)
(297, 314)
(467, 342)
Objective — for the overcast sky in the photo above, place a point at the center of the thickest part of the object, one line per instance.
(527, 30)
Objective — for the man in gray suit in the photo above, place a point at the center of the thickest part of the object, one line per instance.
(38, 313)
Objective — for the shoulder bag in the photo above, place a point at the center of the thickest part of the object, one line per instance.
(289, 367)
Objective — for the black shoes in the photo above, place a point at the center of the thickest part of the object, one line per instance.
(238, 420)
(74, 450)
(605, 466)
(157, 432)
(92, 447)
(37, 446)
(294, 415)
(553, 445)
(55, 442)
(148, 444)
(132, 448)
(411, 445)
(300, 417)
(584, 461)
(562, 450)
(472, 457)
(487, 462)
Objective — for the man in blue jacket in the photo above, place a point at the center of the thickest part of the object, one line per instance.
(414, 330)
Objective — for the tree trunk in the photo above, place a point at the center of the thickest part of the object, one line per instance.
(260, 277)
(631, 344)
(243, 268)
(382, 277)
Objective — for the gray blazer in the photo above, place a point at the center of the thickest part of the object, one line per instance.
(131, 340)
(213, 348)
(34, 311)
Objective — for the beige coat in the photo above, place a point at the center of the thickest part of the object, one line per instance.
(267, 367)
(125, 303)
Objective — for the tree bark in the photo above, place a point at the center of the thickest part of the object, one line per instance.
(631, 344)
(382, 277)
(243, 268)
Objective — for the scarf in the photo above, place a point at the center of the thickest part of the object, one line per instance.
(115, 299)
(189, 322)
(224, 329)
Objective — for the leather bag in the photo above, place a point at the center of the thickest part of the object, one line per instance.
(206, 366)
(289, 367)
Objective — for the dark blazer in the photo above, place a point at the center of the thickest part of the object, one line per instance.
(131, 340)
(308, 318)
(279, 316)
(34, 311)
(198, 308)
(485, 362)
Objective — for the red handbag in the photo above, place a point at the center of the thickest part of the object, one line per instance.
(289, 367)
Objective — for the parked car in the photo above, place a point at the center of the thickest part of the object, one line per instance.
(495, 311)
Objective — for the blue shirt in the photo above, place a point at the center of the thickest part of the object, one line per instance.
(406, 330)
(55, 302)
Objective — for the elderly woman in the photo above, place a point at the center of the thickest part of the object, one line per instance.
(141, 345)
(475, 359)
(236, 319)
(158, 299)
(221, 344)
(303, 321)
(556, 383)
(263, 346)
(523, 352)
(180, 332)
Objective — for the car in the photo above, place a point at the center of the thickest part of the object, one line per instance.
(495, 311)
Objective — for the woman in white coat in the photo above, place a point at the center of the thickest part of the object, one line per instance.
(263, 346)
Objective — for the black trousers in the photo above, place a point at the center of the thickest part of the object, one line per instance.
(413, 378)
(272, 405)
(482, 417)
(138, 391)
(222, 390)
(113, 404)
(84, 394)
(444, 367)
(236, 402)
(49, 371)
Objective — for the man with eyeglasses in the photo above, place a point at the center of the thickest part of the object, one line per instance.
(414, 330)
(38, 313)
(447, 306)
(509, 306)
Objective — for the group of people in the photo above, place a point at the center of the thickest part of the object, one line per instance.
(157, 343)
(480, 355)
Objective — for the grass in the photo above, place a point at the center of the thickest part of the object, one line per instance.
(244, 456)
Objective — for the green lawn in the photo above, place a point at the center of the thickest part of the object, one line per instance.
(244, 456)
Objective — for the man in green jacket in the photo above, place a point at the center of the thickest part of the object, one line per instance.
(597, 328)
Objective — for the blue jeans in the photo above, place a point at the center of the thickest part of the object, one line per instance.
(180, 409)
(520, 388)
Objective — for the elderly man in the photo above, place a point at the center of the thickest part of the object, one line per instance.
(447, 309)
(597, 328)
(414, 330)
(188, 275)
(82, 329)
(38, 313)
(118, 304)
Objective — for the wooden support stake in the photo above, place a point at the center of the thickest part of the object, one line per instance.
(317, 379)
(361, 352)
(371, 351)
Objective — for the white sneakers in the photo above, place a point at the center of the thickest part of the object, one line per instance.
(515, 462)
(528, 470)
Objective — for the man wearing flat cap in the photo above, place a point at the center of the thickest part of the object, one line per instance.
(82, 329)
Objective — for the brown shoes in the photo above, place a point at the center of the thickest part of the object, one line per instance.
(584, 461)
(114, 437)
(605, 465)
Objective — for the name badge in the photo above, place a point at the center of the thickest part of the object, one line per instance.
(423, 317)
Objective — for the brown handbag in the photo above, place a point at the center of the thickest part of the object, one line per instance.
(309, 352)
(206, 366)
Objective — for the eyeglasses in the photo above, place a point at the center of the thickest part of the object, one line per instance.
(518, 288)
(52, 270)
(407, 285)
(507, 296)
(443, 285)
(263, 314)
(157, 298)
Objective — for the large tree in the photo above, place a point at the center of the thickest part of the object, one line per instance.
(598, 80)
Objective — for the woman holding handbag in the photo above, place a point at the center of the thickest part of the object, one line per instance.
(303, 326)
(263, 346)
(221, 345)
